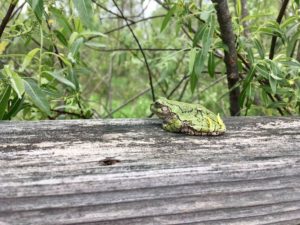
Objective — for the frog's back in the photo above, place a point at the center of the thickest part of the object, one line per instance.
(189, 111)
(198, 119)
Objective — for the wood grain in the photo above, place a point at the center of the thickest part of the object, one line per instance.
(133, 172)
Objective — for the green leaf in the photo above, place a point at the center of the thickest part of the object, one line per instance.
(199, 63)
(250, 54)
(72, 75)
(168, 17)
(245, 94)
(291, 44)
(275, 72)
(238, 8)
(16, 81)
(4, 101)
(85, 10)
(199, 35)
(273, 84)
(246, 91)
(62, 21)
(57, 75)
(194, 81)
(38, 8)
(291, 63)
(88, 33)
(291, 20)
(193, 53)
(297, 2)
(249, 77)
(262, 70)
(61, 37)
(202, 55)
(259, 48)
(211, 65)
(28, 58)
(94, 44)
(206, 14)
(74, 48)
(37, 96)
(15, 106)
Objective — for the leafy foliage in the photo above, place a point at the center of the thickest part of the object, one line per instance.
(77, 59)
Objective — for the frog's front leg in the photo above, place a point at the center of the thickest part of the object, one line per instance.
(172, 124)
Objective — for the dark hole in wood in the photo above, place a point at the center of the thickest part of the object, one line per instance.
(108, 161)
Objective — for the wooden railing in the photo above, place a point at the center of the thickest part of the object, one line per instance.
(132, 172)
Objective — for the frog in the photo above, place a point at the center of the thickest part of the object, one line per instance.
(187, 118)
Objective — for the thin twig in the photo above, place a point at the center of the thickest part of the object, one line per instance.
(7, 17)
(137, 49)
(183, 90)
(278, 20)
(132, 23)
(54, 46)
(17, 10)
(109, 11)
(127, 102)
(140, 47)
(59, 112)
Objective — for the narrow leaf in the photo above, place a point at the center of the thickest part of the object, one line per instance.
(193, 53)
(37, 96)
(168, 17)
(16, 81)
(199, 35)
(211, 66)
(60, 36)
(273, 84)
(194, 81)
(28, 58)
(37, 7)
(56, 75)
(199, 64)
(238, 8)
(85, 10)
(246, 86)
(15, 107)
(74, 48)
(259, 48)
(4, 101)
(3, 45)
(62, 21)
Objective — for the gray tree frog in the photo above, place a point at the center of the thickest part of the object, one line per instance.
(192, 119)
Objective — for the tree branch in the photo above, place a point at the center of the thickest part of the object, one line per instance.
(7, 16)
(137, 49)
(230, 58)
(140, 47)
(246, 67)
(278, 20)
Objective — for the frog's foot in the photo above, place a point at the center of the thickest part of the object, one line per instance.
(215, 133)
(187, 129)
(172, 125)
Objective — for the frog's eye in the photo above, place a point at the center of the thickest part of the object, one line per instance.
(164, 109)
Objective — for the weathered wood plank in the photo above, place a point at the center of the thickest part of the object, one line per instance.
(58, 172)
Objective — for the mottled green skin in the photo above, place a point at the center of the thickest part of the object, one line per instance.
(192, 119)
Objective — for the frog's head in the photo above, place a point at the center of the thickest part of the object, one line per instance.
(161, 108)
